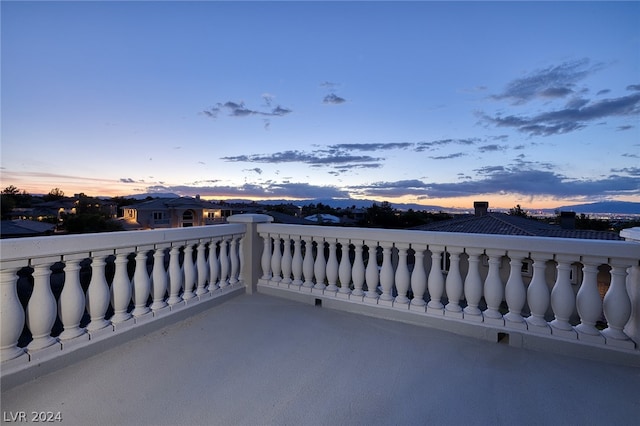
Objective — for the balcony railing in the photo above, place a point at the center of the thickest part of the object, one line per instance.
(67, 292)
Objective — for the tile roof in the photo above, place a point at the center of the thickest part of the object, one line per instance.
(504, 224)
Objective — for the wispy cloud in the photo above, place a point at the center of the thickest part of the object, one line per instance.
(371, 146)
(239, 109)
(552, 82)
(334, 99)
(299, 190)
(439, 143)
(448, 157)
(320, 157)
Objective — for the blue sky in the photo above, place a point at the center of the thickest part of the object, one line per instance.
(437, 103)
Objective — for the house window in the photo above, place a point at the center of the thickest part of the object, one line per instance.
(158, 215)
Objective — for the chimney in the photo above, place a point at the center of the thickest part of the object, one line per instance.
(481, 207)
(568, 220)
(198, 197)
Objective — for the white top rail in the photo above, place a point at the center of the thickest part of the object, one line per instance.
(31, 248)
(574, 246)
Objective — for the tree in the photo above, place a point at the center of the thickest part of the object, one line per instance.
(518, 211)
(54, 194)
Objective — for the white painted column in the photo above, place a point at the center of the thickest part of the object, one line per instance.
(320, 267)
(454, 284)
(71, 305)
(358, 270)
(175, 275)
(12, 314)
(121, 287)
(296, 261)
(588, 300)
(214, 265)
(473, 286)
(435, 281)
(98, 292)
(286, 261)
(224, 263)
(563, 299)
(234, 259)
(332, 268)
(418, 279)
(344, 270)
(402, 277)
(159, 280)
(265, 260)
(307, 263)
(387, 276)
(141, 283)
(494, 289)
(276, 260)
(515, 292)
(189, 272)
(617, 306)
(538, 295)
(371, 272)
(202, 268)
(41, 309)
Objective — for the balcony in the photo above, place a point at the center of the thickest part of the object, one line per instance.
(227, 324)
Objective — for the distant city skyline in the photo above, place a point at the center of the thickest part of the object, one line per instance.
(432, 103)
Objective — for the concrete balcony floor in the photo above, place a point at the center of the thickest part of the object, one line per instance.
(262, 360)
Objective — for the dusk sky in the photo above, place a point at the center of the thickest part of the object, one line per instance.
(437, 103)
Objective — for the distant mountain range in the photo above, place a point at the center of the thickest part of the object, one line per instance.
(615, 207)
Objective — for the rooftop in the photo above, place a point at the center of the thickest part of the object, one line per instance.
(259, 359)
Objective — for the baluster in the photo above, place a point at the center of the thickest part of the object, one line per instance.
(240, 257)
(296, 263)
(71, 304)
(189, 272)
(224, 263)
(234, 261)
(12, 314)
(159, 280)
(402, 276)
(588, 300)
(538, 295)
(41, 309)
(276, 260)
(265, 261)
(473, 286)
(141, 283)
(307, 263)
(371, 272)
(121, 288)
(453, 284)
(386, 275)
(98, 293)
(357, 271)
(418, 279)
(175, 276)
(214, 266)
(286, 261)
(332, 268)
(344, 270)
(319, 268)
(563, 300)
(436, 281)
(202, 268)
(514, 292)
(493, 289)
(617, 306)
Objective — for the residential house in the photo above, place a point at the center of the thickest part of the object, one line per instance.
(175, 213)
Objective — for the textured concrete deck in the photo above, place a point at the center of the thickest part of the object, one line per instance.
(262, 360)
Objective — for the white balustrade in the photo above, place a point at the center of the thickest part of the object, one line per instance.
(159, 279)
(563, 298)
(214, 266)
(418, 278)
(515, 293)
(141, 283)
(307, 263)
(493, 288)
(588, 301)
(386, 275)
(71, 305)
(98, 292)
(372, 277)
(332, 268)
(120, 288)
(402, 277)
(276, 259)
(175, 275)
(41, 309)
(285, 261)
(202, 268)
(190, 275)
(453, 284)
(225, 264)
(538, 294)
(12, 317)
(344, 270)
(358, 270)
(435, 281)
(473, 289)
(617, 306)
(320, 267)
(296, 265)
